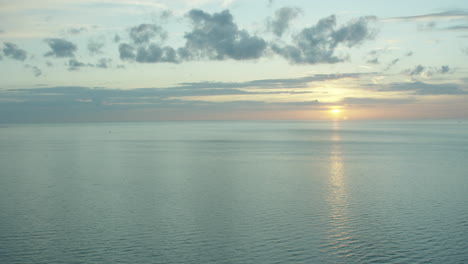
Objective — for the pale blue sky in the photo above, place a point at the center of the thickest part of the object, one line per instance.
(232, 59)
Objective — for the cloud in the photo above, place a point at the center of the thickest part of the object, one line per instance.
(74, 65)
(103, 63)
(451, 14)
(113, 96)
(283, 16)
(76, 31)
(317, 44)
(143, 33)
(290, 83)
(116, 38)
(457, 28)
(420, 70)
(375, 101)
(60, 48)
(391, 64)
(37, 72)
(95, 47)
(422, 88)
(373, 61)
(12, 51)
(127, 52)
(154, 53)
(217, 37)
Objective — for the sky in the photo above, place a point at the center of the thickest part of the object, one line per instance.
(148, 60)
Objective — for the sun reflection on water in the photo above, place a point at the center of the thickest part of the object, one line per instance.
(340, 231)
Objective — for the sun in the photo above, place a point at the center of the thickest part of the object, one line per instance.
(335, 111)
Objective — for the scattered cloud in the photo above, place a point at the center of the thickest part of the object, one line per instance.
(216, 37)
(143, 33)
(373, 61)
(75, 65)
(421, 70)
(95, 47)
(104, 63)
(37, 72)
(12, 51)
(76, 31)
(317, 44)
(60, 48)
(283, 17)
(391, 64)
(127, 52)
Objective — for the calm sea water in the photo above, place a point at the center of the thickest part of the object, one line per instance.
(235, 192)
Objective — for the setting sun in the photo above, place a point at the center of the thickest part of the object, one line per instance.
(335, 111)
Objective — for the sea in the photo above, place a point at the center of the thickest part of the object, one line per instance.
(235, 192)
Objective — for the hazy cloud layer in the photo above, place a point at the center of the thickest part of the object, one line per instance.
(110, 96)
(12, 51)
(451, 14)
(421, 88)
(317, 44)
(291, 83)
(283, 17)
(60, 48)
(375, 101)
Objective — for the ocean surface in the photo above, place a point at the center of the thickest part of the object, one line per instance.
(235, 192)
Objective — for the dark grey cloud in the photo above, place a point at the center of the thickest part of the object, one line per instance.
(151, 53)
(317, 44)
(95, 47)
(216, 37)
(60, 48)
(283, 17)
(421, 88)
(117, 38)
(127, 52)
(421, 70)
(12, 51)
(75, 65)
(418, 70)
(37, 72)
(154, 53)
(144, 33)
(451, 14)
